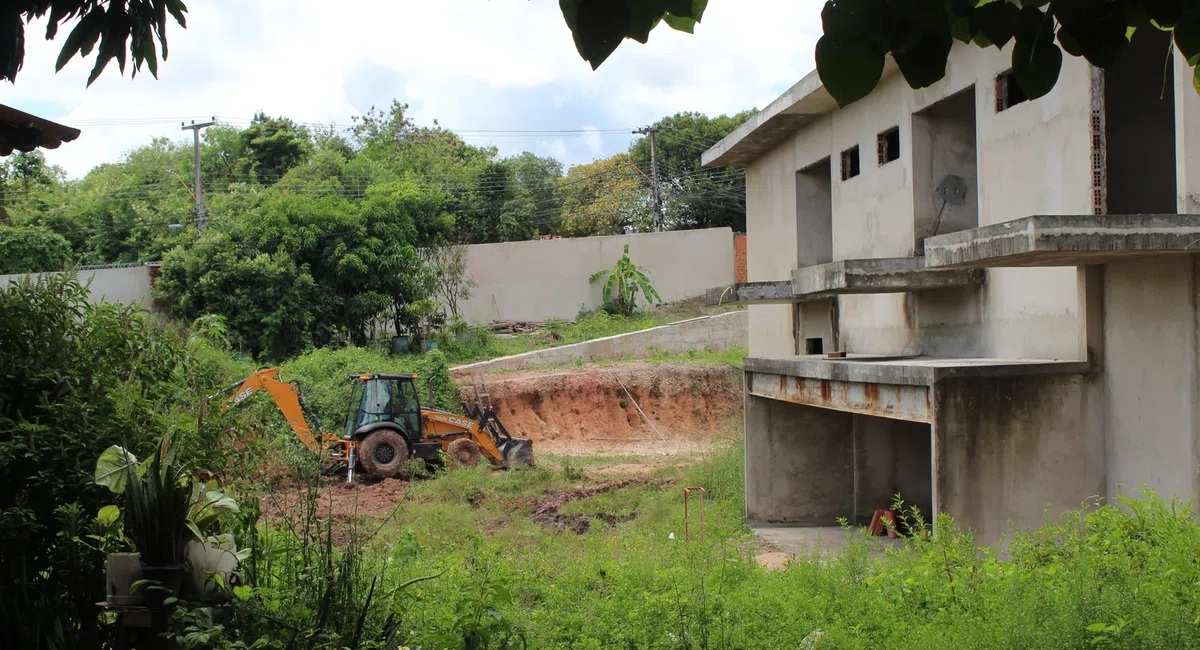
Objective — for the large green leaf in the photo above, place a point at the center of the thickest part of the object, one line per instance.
(996, 20)
(599, 26)
(108, 515)
(113, 468)
(849, 68)
(1036, 66)
(1187, 37)
(644, 16)
(925, 64)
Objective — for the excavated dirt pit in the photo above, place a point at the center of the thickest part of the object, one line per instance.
(576, 412)
(588, 411)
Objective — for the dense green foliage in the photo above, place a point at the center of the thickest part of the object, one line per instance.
(75, 379)
(23, 250)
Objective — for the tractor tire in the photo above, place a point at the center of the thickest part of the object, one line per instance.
(383, 453)
(463, 453)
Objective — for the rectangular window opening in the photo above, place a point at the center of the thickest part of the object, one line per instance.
(850, 164)
(814, 346)
(889, 146)
(1008, 92)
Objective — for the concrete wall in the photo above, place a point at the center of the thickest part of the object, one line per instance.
(799, 465)
(771, 232)
(1033, 158)
(719, 332)
(1150, 362)
(1006, 449)
(129, 285)
(541, 280)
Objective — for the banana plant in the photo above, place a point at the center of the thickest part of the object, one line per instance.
(624, 281)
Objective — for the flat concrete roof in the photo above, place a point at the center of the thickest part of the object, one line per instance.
(801, 104)
(1065, 240)
(911, 371)
(879, 275)
(777, 292)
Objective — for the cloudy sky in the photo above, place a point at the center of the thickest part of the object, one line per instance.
(489, 67)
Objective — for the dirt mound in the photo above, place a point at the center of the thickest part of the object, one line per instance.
(545, 511)
(687, 401)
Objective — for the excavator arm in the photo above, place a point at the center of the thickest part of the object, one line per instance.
(287, 399)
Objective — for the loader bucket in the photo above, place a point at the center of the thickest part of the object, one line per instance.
(518, 453)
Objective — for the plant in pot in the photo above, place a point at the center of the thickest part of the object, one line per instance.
(158, 496)
(106, 534)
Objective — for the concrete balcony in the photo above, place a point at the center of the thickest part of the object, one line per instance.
(880, 275)
(824, 281)
(777, 292)
(1065, 240)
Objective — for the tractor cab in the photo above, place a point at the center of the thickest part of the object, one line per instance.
(377, 398)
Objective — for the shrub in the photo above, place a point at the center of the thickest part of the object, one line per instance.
(76, 378)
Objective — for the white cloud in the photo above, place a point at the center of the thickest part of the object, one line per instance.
(472, 64)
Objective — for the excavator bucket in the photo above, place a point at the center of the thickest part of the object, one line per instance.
(518, 453)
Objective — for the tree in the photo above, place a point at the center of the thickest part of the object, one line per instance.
(116, 29)
(695, 197)
(918, 34)
(539, 177)
(121, 212)
(272, 146)
(622, 283)
(32, 250)
(453, 280)
(603, 198)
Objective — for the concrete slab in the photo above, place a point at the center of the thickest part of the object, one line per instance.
(879, 275)
(777, 292)
(1065, 240)
(914, 371)
(802, 541)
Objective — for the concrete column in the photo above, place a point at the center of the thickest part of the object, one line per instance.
(1006, 449)
(799, 463)
(1150, 376)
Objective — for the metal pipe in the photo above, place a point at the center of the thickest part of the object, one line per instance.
(352, 458)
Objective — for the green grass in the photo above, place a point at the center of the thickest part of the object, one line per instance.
(1122, 576)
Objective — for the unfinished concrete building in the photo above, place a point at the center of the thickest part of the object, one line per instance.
(1011, 282)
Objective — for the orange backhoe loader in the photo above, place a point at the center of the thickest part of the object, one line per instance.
(386, 425)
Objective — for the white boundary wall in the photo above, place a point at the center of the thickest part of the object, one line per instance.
(127, 284)
(546, 279)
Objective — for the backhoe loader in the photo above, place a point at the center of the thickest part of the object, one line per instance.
(386, 426)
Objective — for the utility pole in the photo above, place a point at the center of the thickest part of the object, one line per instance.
(654, 193)
(195, 128)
